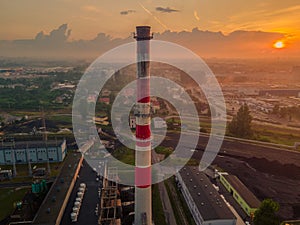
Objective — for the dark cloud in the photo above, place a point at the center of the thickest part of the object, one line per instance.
(166, 10)
(59, 35)
(126, 12)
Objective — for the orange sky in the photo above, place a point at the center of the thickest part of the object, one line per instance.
(21, 19)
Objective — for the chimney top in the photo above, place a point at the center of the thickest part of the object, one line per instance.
(143, 33)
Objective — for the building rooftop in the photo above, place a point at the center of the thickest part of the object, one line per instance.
(243, 191)
(29, 144)
(208, 201)
(58, 191)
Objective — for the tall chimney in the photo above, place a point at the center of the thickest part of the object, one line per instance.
(143, 200)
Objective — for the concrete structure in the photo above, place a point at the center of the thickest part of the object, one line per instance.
(243, 196)
(5, 174)
(35, 151)
(159, 123)
(204, 201)
(143, 200)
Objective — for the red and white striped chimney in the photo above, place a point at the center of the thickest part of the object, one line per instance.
(143, 200)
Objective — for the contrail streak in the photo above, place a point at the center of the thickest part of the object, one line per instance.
(151, 14)
(196, 15)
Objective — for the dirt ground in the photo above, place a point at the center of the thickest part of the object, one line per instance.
(268, 179)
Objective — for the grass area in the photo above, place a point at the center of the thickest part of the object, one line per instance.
(264, 132)
(61, 118)
(276, 134)
(164, 150)
(125, 155)
(22, 171)
(8, 197)
(176, 206)
(193, 162)
(157, 208)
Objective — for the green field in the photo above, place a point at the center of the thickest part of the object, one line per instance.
(9, 196)
(170, 183)
(22, 171)
(157, 208)
(277, 135)
(125, 155)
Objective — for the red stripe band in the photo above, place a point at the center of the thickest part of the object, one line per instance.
(141, 143)
(143, 177)
(143, 132)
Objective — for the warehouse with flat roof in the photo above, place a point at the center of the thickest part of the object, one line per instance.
(34, 151)
(203, 200)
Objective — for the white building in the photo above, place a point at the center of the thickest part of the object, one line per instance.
(203, 200)
(35, 151)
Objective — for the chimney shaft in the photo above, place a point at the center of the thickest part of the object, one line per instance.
(143, 200)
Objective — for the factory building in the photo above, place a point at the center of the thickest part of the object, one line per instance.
(242, 195)
(35, 151)
(204, 201)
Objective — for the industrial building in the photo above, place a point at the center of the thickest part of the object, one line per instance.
(243, 196)
(204, 201)
(34, 151)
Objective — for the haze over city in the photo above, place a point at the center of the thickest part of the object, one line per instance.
(150, 112)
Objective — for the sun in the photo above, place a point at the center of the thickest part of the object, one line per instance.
(279, 44)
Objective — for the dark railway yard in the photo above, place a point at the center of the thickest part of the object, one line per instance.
(267, 171)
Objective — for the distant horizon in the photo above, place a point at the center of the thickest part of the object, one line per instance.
(207, 44)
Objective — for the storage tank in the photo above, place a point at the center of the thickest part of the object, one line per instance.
(79, 194)
(77, 204)
(73, 216)
(83, 185)
(81, 189)
(75, 210)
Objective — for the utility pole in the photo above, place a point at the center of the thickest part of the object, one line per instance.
(45, 139)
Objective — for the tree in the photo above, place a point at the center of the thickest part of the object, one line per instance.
(240, 126)
(276, 109)
(266, 213)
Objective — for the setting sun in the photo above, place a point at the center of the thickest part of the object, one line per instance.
(279, 44)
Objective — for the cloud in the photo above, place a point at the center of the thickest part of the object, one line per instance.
(126, 12)
(155, 17)
(56, 44)
(166, 10)
(91, 8)
(57, 36)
